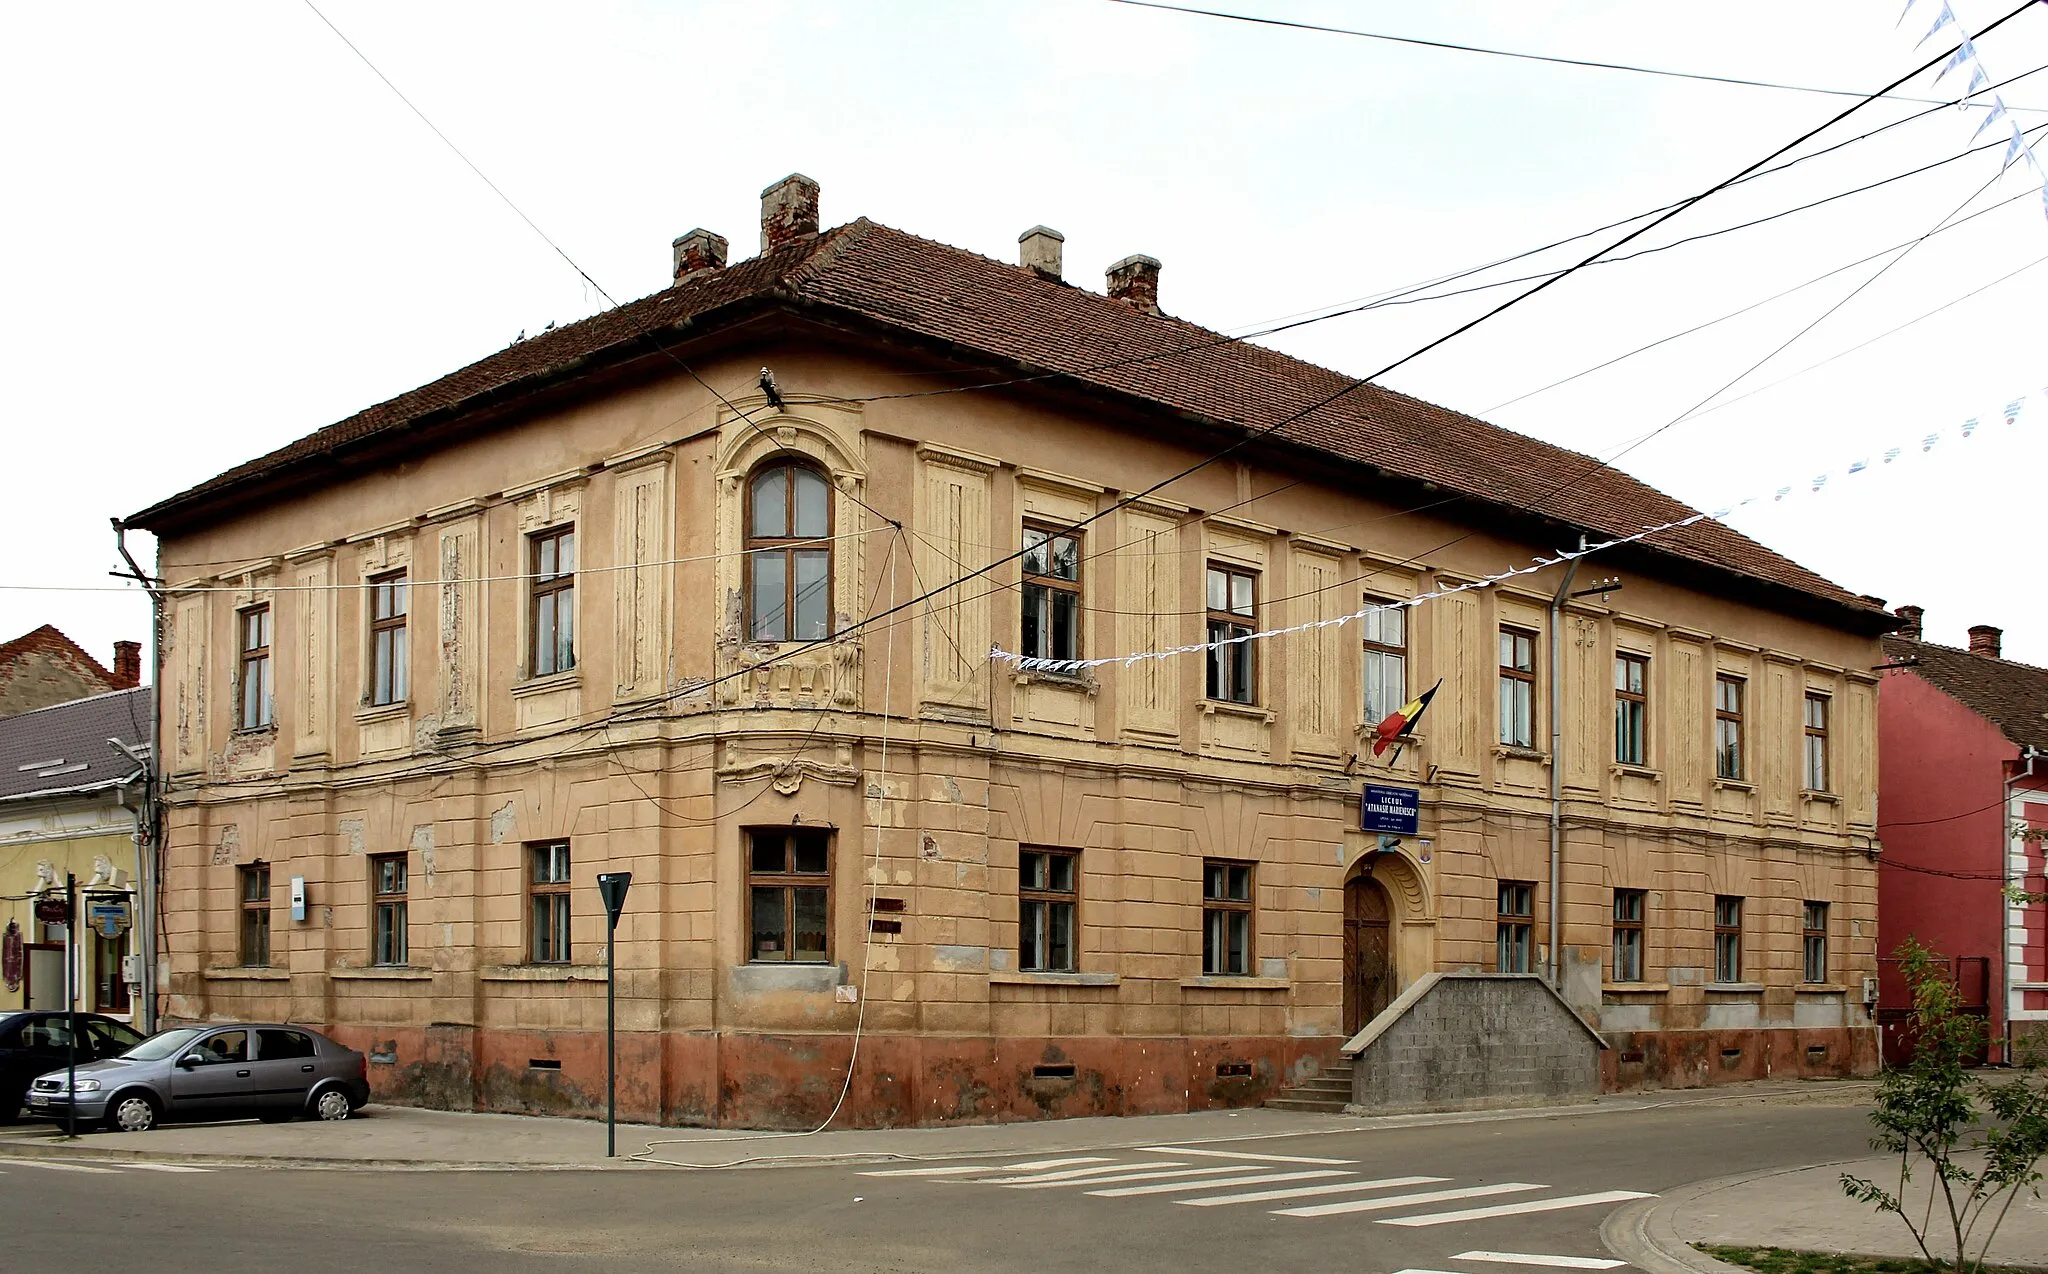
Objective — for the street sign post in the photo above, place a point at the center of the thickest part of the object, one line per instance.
(612, 888)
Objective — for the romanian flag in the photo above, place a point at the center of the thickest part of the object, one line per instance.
(1400, 723)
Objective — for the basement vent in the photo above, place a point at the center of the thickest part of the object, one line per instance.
(885, 926)
(1052, 1072)
(543, 1063)
(1816, 1052)
(1233, 1070)
(1731, 1058)
(1632, 1059)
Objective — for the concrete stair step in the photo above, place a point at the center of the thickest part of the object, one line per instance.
(1307, 1105)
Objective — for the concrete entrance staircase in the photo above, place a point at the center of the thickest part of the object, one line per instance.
(1326, 1094)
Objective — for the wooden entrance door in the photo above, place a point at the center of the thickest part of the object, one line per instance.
(1369, 978)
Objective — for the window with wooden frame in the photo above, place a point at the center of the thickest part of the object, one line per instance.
(1226, 918)
(1514, 929)
(1816, 742)
(253, 946)
(1727, 939)
(387, 639)
(1628, 936)
(388, 909)
(253, 624)
(110, 985)
(1631, 709)
(789, 894)
(552, 600)
(1386, 659)
(1730, 758)
(1814, 941)
(1052, 594)
(547, 890)
(1233, 614)
(1517, 687)
(789, 554)
(1048, 897)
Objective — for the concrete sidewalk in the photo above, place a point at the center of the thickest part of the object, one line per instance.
(1799, 1208)
(404, 1138)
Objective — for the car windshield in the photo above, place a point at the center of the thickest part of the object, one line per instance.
(164, 1044)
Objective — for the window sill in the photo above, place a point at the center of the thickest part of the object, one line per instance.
(383, 973)
(1624, 770)
(1510, 750)
(1028, 978)
(1248, 711)
(1734, 988)
(541, 685)
(1635, 988)
(266, 730)
(542, 973)
(1820, 988)
(371, 714)
(1821, 798)
(1734, 785)
(1234, 982)
(1077, 682)
(247, 973)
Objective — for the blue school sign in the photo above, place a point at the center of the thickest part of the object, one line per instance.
(1391, 810)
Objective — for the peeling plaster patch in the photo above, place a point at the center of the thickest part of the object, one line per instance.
(998, 959)
(447, 934)
(1314, 894)
(951, 789)
(426, 734)
(423, 842)
(959, 959)
(229, 845)
(351, 830)
(327, 917)
(929, 850)
(504, 822)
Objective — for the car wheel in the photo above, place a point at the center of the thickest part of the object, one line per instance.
(132, 1112)
(332, 1104)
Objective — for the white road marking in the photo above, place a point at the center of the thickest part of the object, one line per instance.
(1150, 1174)
(1521, 1209)
(1342, 1187)
(1533, 1258)
(1239, 1154)
(165, 1167)
(954, 1170)
(59, 1167)
(1416, 1271)
(1404, 1200)
(1069, 1174)
(1261, 1179)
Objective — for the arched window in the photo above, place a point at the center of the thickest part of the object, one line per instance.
(789, 561)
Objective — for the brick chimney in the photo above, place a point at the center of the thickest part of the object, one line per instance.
(1135, 281)
(1038, 250)
(789, 210)
(1910, 630)
(128, 664)
(1986, 640)
(698, 251)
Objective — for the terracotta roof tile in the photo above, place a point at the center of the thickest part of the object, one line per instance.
(2012, 696)
(874, 273)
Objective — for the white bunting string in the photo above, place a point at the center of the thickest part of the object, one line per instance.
(1995, 111)
(1923, 444)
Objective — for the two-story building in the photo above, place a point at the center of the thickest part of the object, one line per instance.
(612, 599)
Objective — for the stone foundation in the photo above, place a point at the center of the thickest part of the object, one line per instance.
(1698, 1059)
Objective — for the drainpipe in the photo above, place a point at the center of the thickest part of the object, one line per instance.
(136, 802)
(1557, 600)
(2029, 754)
(149, 814)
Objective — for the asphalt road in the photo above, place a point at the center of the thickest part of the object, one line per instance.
(979, 1215)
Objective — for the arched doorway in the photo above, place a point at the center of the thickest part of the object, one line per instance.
(1370, 981)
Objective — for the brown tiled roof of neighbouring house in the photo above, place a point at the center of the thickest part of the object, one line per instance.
(43, 667)
(2010, 695)
(876, 276)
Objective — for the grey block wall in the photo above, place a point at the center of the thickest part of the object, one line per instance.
(1467, 1041)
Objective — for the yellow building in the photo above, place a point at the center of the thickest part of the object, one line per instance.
(71, 792)
(615, 600)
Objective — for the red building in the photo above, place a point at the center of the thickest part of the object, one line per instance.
(1962, 772)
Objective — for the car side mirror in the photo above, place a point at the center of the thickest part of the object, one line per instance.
(189, 1060)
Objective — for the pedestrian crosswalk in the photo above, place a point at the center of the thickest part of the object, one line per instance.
(1297, 1186)
(102, 1167)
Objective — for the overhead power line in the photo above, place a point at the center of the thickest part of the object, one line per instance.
(1518, 55)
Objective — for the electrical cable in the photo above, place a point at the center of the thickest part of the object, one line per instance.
(1520, 56)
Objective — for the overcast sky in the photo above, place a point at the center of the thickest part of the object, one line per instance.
(225, 233)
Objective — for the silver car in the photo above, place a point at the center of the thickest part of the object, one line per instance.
(270, 1070)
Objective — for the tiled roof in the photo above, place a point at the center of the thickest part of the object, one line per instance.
(878, 275)
(49, 640)
(2012, 696)
(64, 747)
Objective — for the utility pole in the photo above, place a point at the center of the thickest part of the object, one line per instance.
(149, 819)
(70, 1004)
